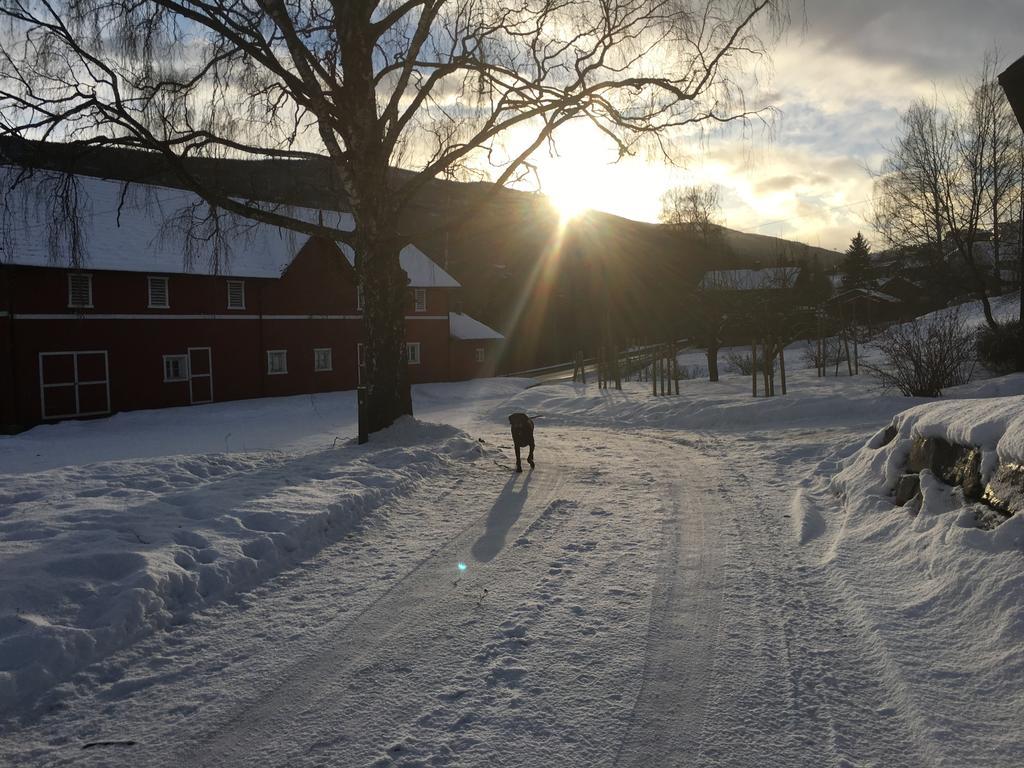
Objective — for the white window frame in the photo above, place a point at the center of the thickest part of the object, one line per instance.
(71, 292)
(360, 361)
(360, 298)
(241, 284)
(330, 359)
(412, 353)
(76, 383)
(480, 353)
(183, 376)
(284, 353)
(420, 299)
(151, 280)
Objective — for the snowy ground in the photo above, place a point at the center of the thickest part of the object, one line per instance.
(708, 580)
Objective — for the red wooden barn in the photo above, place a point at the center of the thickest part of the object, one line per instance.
(475, 348)
(160, 313)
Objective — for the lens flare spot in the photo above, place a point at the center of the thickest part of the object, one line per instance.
(462, 566)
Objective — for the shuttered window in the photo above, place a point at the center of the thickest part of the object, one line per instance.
(158, 293)
(360, 299)
(413, 352)
(421, 299)
(236, 294)
(479, 354)
(79, 290)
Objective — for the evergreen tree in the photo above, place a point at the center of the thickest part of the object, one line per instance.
(856, 266)
(812, 286)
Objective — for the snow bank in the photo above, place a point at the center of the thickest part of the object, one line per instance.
(293, 424)
(723, 406)
(995, 426)
(928, 583)
(96, 556)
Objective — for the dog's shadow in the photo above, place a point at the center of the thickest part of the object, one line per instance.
(503, 515)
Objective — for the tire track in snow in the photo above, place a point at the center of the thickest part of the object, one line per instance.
(412, 618)
(809, 689)
(667, 716)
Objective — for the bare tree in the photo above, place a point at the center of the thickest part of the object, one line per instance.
(951, 172)
(694, 209)
(438, 87)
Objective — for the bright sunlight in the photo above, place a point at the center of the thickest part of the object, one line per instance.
(574, 180)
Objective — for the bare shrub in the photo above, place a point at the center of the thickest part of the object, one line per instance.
(999, 348)
(828, 355)
(740, 362)
(926, 355)
(688, 372)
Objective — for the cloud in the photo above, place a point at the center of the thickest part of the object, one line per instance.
(840, 83)
(777, 184)
(932, 40)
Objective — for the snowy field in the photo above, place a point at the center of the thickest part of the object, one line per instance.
(702, 580)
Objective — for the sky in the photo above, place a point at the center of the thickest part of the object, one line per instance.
(842, 75)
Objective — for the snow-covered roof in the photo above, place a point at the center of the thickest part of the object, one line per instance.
(422, 271)
(139, 228)
(462, 326)
(749, 279)
(132, 227)
(855, 293)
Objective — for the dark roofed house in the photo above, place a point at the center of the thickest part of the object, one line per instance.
(863, 306)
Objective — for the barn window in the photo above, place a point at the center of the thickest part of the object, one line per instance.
(80, 290)
(277, 361)
(413, 352)
(159, 297)
(175, 368)
(74, 383)
(322, 359)
(360, 298)
(421, 299)
(479, 354)
(236, 294)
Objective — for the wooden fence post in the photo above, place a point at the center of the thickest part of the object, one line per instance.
(753, 366)
(654, 372)
(782, 368)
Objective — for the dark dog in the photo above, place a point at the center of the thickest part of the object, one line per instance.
(522, 436)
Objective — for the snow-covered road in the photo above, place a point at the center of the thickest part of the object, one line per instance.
(631, 602)
(645, 597)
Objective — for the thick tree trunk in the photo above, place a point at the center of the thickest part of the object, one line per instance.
(385, 288)
(713, 363)
(365, 178)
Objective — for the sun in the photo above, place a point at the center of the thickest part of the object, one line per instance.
(567, 197)
(573, 177)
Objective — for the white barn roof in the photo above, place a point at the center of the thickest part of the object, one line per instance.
(422, 271)
(146, 228)
(464, 327)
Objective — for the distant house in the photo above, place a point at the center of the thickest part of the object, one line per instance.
(136, 325)
(769, 279)
(902, 288)
(474, 349)
(863, 306)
